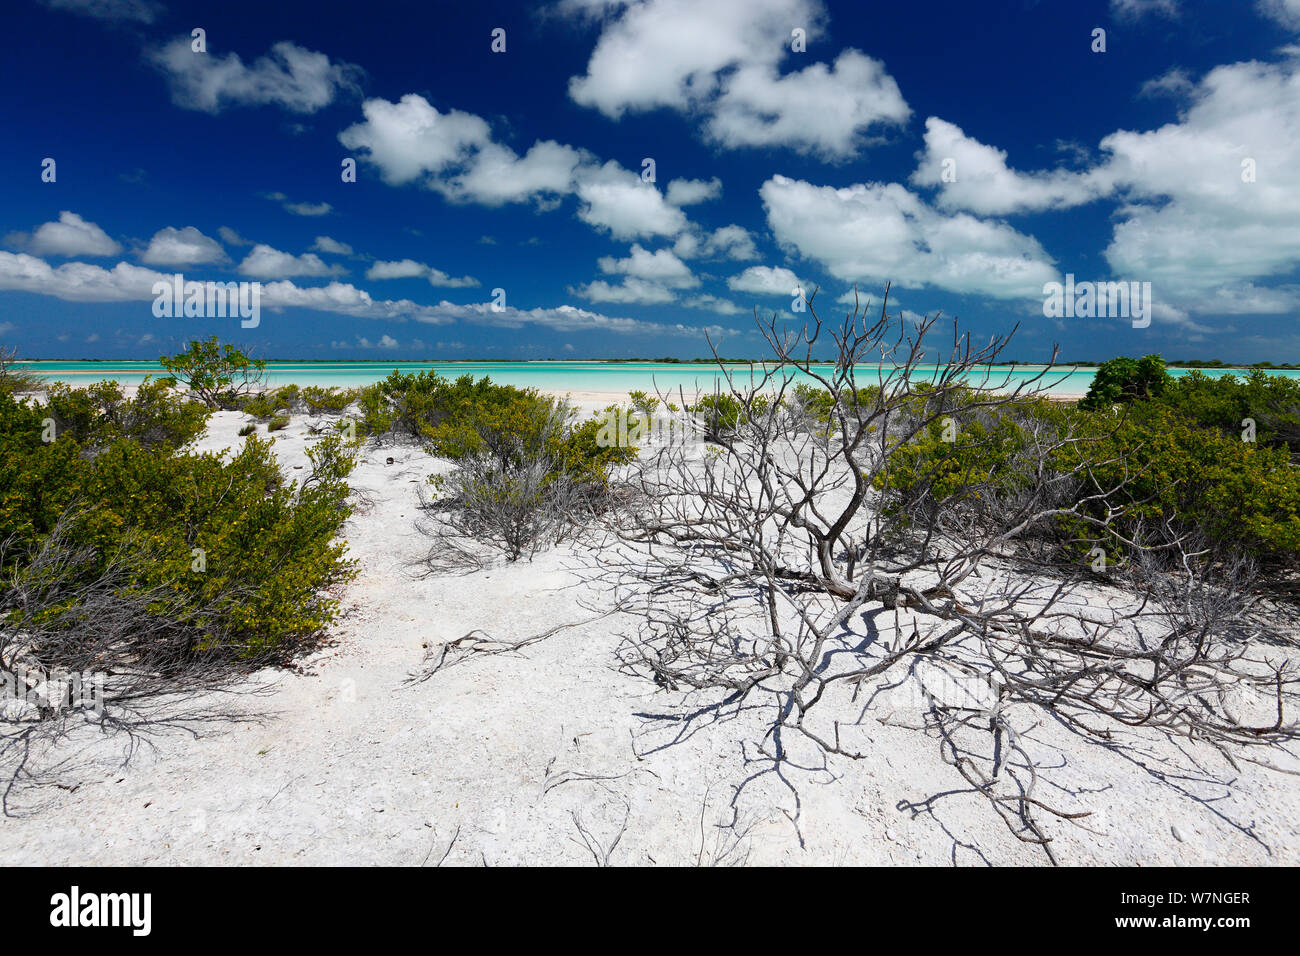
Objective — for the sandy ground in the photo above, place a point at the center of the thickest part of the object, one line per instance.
(510, 759)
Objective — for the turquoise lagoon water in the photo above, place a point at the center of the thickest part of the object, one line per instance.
(618, 377)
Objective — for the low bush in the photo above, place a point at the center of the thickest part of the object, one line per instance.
(643, 402)
(1257, 407)
(584, 454)
(952, 460)
(311, 399)
(100, 414)
(720, 414)
(1230, 404)
(318, 400)
(525, 473)
(1239, 494)
(1168, 474)
(262, 407)
(521, 510)
(1124, 380)
(233, 536)
(424, 406)
(816, 403)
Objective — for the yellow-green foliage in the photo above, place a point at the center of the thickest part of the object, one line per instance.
(217, 375)
(471, 417)
(424, 405)
(1272, 402)
(312, 399)
(268, 549)
(403, 404)
(468, 418)
(1122, 380)
(336, 400)
(524, 469)
(1164, 466)
(98, 415)
(1236, 491)
(643, 402)
(262, 407)
(722, 413)
(818, 402)
(950, 459)
(584, 458)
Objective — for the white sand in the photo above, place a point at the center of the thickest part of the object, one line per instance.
(350, 764)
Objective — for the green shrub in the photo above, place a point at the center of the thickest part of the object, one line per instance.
(814, 400)
(261, 407)
(1225, 403)
(1270, 404)
(268, 547)
(526, 478)
(288, 397)
(1238, 493)
(1162, 467)
(100, 414)
(247, 430)
(336, 400)
(954, 459)
(643, 402)
(277, 423)
(525, 472)
(271, 402)
(1123, 380)
(722, 413)
(817, 403)
(217, 375)
(425, 406)
(582, 456)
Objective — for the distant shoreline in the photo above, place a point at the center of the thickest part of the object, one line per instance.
(1211, 364)
(602, 381)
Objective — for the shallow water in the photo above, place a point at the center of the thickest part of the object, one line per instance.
(619, 377)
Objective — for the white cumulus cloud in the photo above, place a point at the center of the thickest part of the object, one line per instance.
(688, 192)
(70, 236)
(722, 59)
(766, 280)
(410, 269)
(975, 177)
(331, 246)
(882, 232)
(290, 76)
(265, 262)
(182, 247)
(660, 266)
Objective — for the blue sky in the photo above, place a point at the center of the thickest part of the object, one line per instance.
(969, 153)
